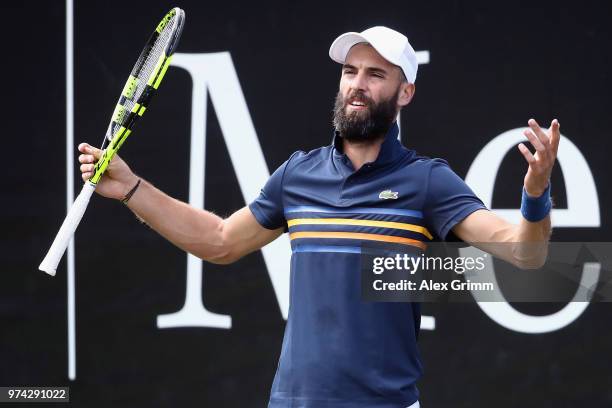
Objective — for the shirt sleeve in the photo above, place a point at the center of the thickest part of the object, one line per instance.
(268, 207)
(449, 200)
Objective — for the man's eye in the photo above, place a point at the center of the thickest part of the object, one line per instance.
(347, 72)
(377, 75)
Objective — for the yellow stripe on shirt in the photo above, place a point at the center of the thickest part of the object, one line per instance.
(366, 223)
(358, 235)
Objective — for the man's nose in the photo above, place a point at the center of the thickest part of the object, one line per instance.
(359, 81)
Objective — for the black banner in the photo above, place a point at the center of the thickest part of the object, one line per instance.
(250, 84)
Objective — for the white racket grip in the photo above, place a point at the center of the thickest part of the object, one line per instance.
(66, 231)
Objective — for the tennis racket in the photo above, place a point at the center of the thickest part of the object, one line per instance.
(140, 87)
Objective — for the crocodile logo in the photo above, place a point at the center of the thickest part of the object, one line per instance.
(388, 195)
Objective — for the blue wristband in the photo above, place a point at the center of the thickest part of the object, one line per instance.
(535, 209)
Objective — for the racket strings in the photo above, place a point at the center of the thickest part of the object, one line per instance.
(144, 70)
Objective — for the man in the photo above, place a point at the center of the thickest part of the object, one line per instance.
(366, 187)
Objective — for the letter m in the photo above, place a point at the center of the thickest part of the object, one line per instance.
(214, 74)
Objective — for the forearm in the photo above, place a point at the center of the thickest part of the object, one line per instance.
(525, 244)
(527, 231)
(530, 243)
(192, 229)
(531, 236)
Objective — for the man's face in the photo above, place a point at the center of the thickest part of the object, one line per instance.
(368, 100)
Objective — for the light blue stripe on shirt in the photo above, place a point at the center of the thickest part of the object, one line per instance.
(357, 210)
(327, 248)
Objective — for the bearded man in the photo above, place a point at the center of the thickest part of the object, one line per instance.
(338, 351)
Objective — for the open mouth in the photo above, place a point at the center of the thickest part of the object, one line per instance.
(357, 104)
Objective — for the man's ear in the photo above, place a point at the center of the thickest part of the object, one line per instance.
(406, 93)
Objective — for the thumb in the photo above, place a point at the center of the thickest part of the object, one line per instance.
(88, 149)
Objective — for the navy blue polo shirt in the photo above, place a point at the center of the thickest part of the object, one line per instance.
(339, 351)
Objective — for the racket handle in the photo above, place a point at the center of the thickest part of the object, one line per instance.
(66, 231)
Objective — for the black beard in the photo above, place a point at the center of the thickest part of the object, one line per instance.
(365, 125)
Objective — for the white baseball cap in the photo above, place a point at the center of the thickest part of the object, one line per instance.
(391, 45)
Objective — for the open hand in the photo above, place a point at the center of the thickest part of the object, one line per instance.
(546, 143)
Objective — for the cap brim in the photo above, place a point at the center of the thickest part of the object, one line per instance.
(341, 46)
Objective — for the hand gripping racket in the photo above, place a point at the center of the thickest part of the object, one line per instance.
(140, 87)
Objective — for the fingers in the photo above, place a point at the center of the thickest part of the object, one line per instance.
(87, 168)
(537, 130)
(555, 129)
(526, 154)
(535, 141)
(88, 159)
(546, 143)
(88, 149)
(541, 163)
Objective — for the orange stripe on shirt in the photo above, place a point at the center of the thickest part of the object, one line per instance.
(358, 235)
(364, 223)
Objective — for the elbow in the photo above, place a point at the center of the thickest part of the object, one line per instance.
(536, 263)
(222, 259)
(221, 252)
(220, 256)
(530, 255)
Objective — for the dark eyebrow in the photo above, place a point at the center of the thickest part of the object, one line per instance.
(369, 69)
(377, 70)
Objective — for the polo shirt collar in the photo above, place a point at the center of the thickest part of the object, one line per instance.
(389, 149)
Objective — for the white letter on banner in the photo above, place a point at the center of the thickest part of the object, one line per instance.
(582, 211)
(423, 57)
(215, 72)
